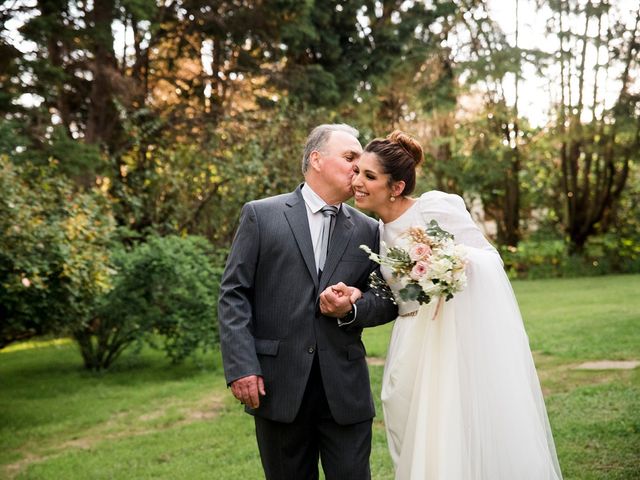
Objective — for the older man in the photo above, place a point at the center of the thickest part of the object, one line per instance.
(302, 373)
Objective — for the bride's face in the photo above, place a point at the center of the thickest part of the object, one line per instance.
(370, 184)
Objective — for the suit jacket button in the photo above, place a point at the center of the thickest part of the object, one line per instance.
(311, 350)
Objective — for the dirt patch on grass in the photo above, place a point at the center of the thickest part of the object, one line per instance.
(123, 425)
(179, 415)
(609, 365)
(565, 377)
(13, 469)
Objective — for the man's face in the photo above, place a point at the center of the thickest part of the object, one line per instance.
(335, 162)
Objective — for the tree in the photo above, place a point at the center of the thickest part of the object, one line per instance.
(598, 140)
(492, 64)
(460, 57)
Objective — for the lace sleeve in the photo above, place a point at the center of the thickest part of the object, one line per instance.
(451, 213)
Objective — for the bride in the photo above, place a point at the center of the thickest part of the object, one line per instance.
(460, 393)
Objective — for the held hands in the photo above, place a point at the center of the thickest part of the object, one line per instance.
(336, 300)
(248, 390)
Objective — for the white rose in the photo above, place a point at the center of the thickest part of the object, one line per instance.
(429, 287)
(448, 248)
(439, 267)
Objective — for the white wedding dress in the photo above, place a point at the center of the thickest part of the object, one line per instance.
(460, 393)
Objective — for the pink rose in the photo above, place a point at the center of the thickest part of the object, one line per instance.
(419, 251)
(419, 270)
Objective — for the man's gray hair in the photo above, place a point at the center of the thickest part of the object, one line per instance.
(318, 138)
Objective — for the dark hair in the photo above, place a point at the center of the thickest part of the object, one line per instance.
(399, 154)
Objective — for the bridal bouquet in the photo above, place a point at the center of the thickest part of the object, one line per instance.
(432, 266)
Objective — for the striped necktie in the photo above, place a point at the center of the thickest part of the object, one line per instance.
(329, 213)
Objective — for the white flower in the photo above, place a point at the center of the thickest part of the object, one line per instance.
(429, 287)
(460, 252)
(448, 248)
(438, 267)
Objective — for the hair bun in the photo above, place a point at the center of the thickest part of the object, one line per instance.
(409, 144)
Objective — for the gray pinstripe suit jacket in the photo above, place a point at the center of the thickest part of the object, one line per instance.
(269, 320)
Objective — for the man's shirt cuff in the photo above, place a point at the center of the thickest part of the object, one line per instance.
(349, 318)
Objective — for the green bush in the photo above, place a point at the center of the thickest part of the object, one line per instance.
(54, 252)
(165, 293)
(605, 254)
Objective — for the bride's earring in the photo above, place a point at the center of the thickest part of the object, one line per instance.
(392, 198)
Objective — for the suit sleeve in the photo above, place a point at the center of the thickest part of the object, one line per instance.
(371, 309)
(235, 312)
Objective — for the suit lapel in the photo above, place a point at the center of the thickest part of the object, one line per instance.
(339, 241)
(296, 214)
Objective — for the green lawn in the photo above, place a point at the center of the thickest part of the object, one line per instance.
(147, 419)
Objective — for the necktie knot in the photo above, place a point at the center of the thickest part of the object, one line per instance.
(329, 210)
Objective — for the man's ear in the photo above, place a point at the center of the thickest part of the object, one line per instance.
(314, 160)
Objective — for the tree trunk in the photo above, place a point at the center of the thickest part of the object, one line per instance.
(595, 160)
(102, 120)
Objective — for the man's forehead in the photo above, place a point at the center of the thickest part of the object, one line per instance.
(344, 142)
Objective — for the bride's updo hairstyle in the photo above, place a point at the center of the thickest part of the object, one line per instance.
(399, 155)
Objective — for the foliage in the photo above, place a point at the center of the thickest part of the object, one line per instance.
(487, 166)
(545, 253)
(199, 188)
(11, 137)
(164, 288)
(54, 252)
(597, 133)
(602, 255)
(192, 93)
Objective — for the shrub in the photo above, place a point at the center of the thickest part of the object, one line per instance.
(54, 252)
(165, 293)
(604, 254)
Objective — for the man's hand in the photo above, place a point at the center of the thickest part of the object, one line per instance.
(337, 300)
(248, 390)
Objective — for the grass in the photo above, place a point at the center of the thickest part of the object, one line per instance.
(146, 419)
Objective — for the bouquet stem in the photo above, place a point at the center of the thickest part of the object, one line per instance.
(438, 308)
